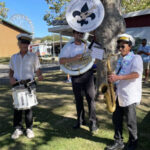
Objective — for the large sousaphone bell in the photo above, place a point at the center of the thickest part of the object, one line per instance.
(82, 65)
(83, 16)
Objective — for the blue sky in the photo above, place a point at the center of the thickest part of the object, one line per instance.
(34, 10)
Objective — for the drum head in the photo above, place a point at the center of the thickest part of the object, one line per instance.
(85, 15)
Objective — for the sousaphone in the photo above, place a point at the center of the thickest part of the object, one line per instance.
(83, 16)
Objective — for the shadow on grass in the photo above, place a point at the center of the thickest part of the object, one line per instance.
(144, 133)
(60, 126)
(6, 113)
(50, 122)
(146, 95)
(54, 84)
(47, 123)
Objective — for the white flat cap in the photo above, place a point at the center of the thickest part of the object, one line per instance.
(24, 36)
(126, 37)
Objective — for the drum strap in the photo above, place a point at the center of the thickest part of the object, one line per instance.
(27, 84)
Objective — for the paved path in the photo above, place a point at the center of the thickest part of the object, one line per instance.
(4, 70)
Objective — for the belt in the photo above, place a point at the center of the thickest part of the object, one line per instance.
(22, 82)
(77, 76)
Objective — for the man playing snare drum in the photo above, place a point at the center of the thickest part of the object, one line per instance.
(23, 65)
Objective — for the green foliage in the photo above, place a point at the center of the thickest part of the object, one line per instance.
(57, 8)
(56, 38)
(3, 10)
(4, 60)
(135, 5)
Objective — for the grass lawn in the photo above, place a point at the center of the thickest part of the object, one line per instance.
(55, 116)
(4, 60)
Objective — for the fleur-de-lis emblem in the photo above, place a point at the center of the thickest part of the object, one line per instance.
(85, 13)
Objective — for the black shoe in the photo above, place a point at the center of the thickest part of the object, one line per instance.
(77, 125)
(118, 145)
(132, 145)
(84, 123)
(93, 127)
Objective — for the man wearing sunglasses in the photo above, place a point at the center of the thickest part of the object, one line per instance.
(128, 80)
(23, 65)
(85, 82)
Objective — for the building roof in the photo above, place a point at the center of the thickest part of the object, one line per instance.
(62, 29)
(48, 43)
(139, 31)
(137, 13)
(3, 21)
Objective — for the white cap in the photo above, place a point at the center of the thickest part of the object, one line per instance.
(126, 37)
(24, 36)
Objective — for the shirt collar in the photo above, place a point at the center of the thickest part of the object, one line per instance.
(130, 54)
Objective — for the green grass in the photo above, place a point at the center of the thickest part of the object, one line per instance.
(55, 116)
(4, 60)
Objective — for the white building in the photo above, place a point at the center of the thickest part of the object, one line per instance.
(138, 24)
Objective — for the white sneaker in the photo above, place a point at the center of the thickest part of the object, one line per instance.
(16, 134)
(30, 133)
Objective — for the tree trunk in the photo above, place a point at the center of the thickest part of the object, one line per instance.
(106, 34)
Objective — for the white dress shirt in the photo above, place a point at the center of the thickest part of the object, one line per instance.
(71, 50)
(24, 67)
(146, 49)
(129, 91)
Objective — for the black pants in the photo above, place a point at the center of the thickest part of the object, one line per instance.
(18, 118)
(130, 114)
(84, 82)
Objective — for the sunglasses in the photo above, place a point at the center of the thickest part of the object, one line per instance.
(78, 33)
(122, 46)
(24, 41)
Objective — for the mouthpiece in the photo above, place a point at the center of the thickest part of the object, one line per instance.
(86, 36)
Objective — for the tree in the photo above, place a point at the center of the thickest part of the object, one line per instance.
(134, 5)
(56, 38)
(57, 8)
(112, 25)
(3, 10)
(106, 34)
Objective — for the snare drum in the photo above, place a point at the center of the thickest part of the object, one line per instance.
(23, 99)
